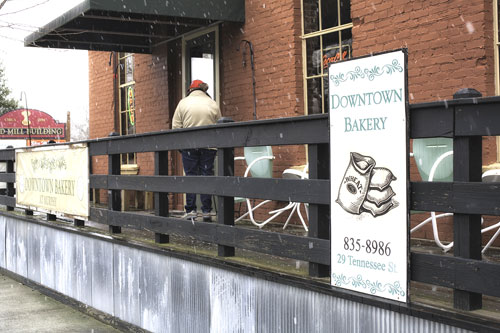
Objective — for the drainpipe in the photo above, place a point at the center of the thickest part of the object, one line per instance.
(250, 46)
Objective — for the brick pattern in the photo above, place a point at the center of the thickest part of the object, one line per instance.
(101, 107)
(150, 75)
(274, 28)
(450, 44)
(101, 102)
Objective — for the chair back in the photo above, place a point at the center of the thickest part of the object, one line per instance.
(262, 168)
(491, 176)
(427, 151)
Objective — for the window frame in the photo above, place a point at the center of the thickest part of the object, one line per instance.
(320, 33)
(125, 158)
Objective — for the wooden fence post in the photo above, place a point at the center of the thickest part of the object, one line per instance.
(467, 167)
(114, 196)
(10, 186)
(319, 221)
(225, 211)
(161, 198)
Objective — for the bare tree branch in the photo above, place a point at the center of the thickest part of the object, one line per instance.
(21, 10)
(2, 3)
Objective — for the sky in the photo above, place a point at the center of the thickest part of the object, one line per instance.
(54, 80)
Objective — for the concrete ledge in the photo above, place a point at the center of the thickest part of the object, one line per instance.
(162, 291)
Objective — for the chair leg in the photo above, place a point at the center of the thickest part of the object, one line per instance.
(497, 225)
(290, 216)
(275, 213)
(251, 209)
(301, 218)
(434, 218)
(296, 208)
(445, 248)
(261, 224)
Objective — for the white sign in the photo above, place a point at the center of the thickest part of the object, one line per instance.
(368, 140)
(54, 179)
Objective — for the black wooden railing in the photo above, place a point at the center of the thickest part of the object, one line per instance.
(290, 131)
(464, 120)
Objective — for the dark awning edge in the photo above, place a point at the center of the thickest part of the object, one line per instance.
(131, 25)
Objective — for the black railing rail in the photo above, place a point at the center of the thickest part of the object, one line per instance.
(464, 120)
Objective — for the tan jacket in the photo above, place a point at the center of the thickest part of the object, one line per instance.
(197, 109)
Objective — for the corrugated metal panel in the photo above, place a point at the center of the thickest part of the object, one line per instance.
(166, 294)
(34, 233)
(102, 277)
(190, 296)
(156, 301)
(126, 290)
(82, 273)
(64, 261)
(47, 256)
(10, 247)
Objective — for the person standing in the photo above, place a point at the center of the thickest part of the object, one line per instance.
(197, 109)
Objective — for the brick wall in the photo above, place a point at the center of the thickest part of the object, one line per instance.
(101, 107)
(150, 75)
(101, 103)
(274, 28)
(450, 43)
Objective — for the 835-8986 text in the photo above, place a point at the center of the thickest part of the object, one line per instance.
(369, 246)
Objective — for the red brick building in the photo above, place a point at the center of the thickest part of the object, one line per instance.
(451, 45)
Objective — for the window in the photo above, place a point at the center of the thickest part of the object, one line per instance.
(127, 100)
(326, 38)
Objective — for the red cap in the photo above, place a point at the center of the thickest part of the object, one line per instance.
(196, 84)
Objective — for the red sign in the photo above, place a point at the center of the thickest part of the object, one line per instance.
(14, 125)
(335, 58)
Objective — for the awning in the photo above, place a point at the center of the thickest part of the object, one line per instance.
(135, 26)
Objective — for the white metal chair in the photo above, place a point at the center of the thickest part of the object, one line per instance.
(260, 164)
(431, 156)
(492, 176)
(294, 206)
(443, 168)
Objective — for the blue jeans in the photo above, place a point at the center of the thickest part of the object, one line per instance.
(198, 162)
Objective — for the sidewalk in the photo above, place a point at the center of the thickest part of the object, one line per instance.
(23, 309)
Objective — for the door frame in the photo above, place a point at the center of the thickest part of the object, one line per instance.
(189, 37)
